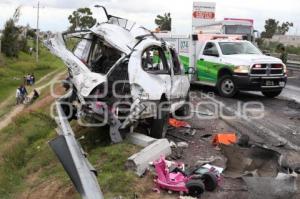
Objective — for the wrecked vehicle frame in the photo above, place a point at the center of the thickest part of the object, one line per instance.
(120, 74)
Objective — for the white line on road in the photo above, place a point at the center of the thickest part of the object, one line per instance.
(255, 124)
(292, 88)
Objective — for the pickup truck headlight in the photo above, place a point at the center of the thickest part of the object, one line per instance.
(241, 69)
(284, 68)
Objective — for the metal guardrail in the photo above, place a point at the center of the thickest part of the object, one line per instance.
(293, 65)
(72, 157)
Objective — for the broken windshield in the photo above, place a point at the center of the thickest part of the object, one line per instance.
(232, 48)
(125, 23)
(102, 57)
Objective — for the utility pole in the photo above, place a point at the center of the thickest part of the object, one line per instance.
(37, 32)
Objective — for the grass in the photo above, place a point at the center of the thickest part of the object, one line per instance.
(26, 160)
(109, 160)
(20, 143)
(24, 152)
(12, 70)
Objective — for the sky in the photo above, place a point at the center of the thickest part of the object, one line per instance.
(54, 13)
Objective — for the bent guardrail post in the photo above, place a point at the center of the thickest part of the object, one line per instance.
(72, 157)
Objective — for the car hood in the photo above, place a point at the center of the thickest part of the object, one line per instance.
(249, 59)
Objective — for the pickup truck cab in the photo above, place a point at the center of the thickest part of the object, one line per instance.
(233, 65)
(230, 64)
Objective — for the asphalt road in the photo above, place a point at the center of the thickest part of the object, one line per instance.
(278, 127)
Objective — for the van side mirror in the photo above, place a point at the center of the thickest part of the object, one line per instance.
(191, 71)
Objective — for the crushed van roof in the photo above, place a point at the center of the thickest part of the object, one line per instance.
(119, 37)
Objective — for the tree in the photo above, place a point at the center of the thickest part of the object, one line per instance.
(82, 19)
(272, 28)
(164, 22)
(10, 45)
(31, 33)
(284, 28)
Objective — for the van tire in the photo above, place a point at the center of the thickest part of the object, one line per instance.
(226, 86)
(185, 110)
(159, 126)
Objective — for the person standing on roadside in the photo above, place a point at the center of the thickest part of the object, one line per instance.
(32, 79)
(28, 79)
(18, 95)
(23, 92)
(283, 55)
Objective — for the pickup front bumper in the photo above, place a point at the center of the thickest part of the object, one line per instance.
(260, 83)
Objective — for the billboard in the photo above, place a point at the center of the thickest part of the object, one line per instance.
(203, 12)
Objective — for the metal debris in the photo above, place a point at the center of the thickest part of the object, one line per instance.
(139, 162)
(140, 139)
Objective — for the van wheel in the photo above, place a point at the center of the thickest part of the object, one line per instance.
(185, 110)
(271, 94)
(159, 124)
(226, 86)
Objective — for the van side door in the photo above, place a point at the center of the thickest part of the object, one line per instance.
(208, 63)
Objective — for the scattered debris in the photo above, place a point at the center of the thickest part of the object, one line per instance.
(140, 139)
(179, 181)
(182, 145)
(281, 187)
(243, 141)
(139, 162)
(207, 160)
(190, 132)
(207, 135)
(178, 123)
(290, 161)
(224, 138)
(210, 167)
(177, 136)
(202, 113)
(293, 104)
(177, 153)
(173, 144)
(186, 197)
(244, 161)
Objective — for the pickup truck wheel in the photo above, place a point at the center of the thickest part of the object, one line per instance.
(226, 86)
(159, 126)
(271, 94)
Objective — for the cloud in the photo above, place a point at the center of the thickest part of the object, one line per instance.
(55, 12)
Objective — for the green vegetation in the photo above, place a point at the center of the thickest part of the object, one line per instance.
(12, 70)
(81, 18)
(273, 47)
(272, 27)
(10, 38)
(21, 142)
(164, 21)
(24, 152)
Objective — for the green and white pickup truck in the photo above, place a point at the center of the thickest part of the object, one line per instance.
(229, 64)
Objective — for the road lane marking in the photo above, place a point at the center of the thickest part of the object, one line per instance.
(255, 124)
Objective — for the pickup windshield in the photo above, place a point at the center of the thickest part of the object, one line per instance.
(232, 48)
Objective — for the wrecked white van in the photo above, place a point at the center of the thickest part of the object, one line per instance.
(121, 74)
